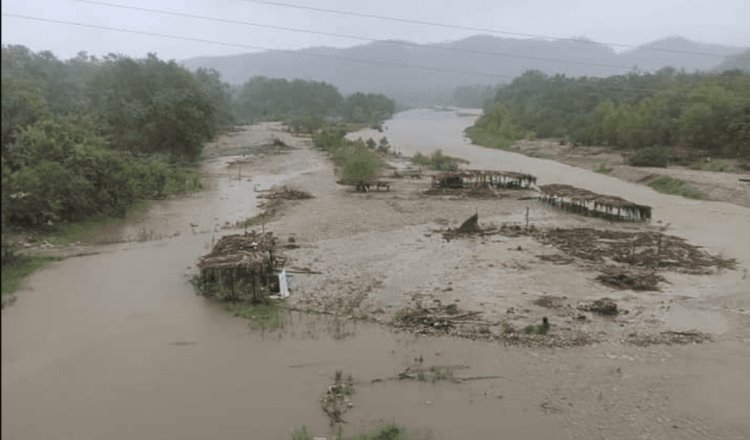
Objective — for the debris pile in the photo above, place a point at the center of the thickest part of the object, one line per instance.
(578, 200)
(241, 267)
(631, 279)
(286, 193)
(602, 306)
(337, 398)
(434, 320)
(643, 249)
(667, 338)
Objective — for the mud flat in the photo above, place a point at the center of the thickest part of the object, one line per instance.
(117, 345)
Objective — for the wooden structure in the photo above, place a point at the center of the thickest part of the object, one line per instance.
(581, 201)
(482, 178)
(241, 267)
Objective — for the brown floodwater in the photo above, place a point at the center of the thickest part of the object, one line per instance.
(117, 345)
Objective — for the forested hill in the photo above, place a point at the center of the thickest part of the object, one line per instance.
(707, 112)
(379, 67)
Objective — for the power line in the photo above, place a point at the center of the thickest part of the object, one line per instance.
(354, 37)
(473, 29)
(254, 47)
(316, 55)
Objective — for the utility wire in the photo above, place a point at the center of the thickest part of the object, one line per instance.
(354, 37)
(471, 28)
(319, 55)
(254, 47)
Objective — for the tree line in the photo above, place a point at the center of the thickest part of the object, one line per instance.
(88, 136)
(709, 112)
(307, 104)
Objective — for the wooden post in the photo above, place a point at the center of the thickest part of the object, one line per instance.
(527, 217)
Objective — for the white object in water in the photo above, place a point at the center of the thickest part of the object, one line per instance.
(283, 289)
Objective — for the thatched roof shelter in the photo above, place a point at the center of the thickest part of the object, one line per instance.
(241, 264)
(474, 178)
(587, 202)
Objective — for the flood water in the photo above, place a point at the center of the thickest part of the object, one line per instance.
(117, 345)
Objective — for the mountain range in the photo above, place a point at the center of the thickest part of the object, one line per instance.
(427, 73)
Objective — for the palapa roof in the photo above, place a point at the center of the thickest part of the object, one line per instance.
(486, 173)
(581, 194)
(240, 251)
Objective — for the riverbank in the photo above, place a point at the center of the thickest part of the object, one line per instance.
(140, 334)
(724, 186)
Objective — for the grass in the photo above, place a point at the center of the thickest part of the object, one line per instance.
(714, 165)
(669, 185)
(603, 169)
(438, 161)
(388, 431)
(490, 139)
(261, 316)
(271, 210)
(15, 272)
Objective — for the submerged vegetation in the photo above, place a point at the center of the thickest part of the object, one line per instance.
(388, 431)
(670, 185)
(634, 111)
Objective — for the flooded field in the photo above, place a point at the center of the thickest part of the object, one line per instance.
(117, 345)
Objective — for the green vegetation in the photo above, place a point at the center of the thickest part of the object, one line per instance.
(359, 163)
(650, 157)
(18, 268)
(666, 108)
(262, 316)
(713, 165)
(603, 169)
(387, 431)
(497, 128)
(306, 105)
(437, 161)
(669, 185)
(87, 138)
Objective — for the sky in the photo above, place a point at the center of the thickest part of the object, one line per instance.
(629, 22)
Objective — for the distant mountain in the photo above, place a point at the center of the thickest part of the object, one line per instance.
(739, 61)
(679, 53)
(479, 60)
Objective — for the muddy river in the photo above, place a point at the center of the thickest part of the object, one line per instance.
(116, 345)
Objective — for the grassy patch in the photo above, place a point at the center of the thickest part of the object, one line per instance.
(669, 185)
(15, 272)
(80, 231)
(714, 165)
(438, 161)
(261, 316)
(492, 139)
(270, 210)
(603, 169)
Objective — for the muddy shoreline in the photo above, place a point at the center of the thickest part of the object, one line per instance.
(145, 357)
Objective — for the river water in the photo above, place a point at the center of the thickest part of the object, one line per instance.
(117, 346)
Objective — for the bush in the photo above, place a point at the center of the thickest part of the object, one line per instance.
(669, 185)
(650, 157)
(359, 165)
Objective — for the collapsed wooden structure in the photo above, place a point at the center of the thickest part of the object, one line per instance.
(482, 178)
(241, 267)
(578, 200)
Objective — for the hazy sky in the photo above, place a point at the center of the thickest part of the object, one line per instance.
(626, 22)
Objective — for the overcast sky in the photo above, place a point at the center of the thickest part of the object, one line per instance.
(627, 22)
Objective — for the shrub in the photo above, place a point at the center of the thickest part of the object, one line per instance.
(650, 157)
(669, 185)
